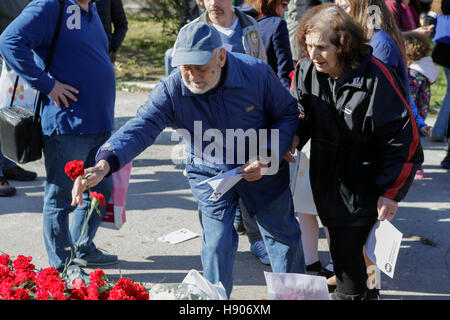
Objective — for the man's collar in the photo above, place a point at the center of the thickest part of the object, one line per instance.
(90, 4)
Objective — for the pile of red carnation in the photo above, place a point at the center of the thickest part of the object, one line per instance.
(20, 281)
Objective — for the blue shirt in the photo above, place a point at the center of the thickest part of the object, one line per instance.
(386, 50)
(442, 29)
(81, 60)
(235, 40)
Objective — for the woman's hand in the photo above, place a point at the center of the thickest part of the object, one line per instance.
(289, 155)
(426, 131)
(387, 208)
(424, 31)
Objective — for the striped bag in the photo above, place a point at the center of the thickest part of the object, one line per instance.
(115, 215)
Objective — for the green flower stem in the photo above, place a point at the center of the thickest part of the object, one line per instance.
(93, 206)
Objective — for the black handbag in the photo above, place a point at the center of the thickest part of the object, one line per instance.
(20, 128)
(441, 54)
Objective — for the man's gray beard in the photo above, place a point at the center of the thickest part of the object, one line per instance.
(214, 83)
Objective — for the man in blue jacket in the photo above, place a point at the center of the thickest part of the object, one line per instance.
(77, 113)
(213, 94)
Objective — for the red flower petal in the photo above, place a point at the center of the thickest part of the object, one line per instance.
(99, 197)
(74, 169)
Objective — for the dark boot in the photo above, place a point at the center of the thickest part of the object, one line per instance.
(373, 294)
(5, 189)
(314, 268)
(19, 174)
(446, 162)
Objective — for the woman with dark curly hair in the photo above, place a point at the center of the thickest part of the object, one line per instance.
(365, 146)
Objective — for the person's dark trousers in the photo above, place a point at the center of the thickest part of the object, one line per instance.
(446, 162)
(346, 248)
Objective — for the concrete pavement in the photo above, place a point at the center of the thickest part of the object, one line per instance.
(159, 201)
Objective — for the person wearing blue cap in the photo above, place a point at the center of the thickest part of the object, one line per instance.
(239, 32)
(213, 93)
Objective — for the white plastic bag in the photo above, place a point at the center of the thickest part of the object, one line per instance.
(193, 287)
(24, 96)
(214, 291)
(296, 286)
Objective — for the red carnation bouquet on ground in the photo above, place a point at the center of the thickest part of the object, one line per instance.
(20, 281)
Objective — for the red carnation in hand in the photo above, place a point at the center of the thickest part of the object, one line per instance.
(100, 198)
(74, 169)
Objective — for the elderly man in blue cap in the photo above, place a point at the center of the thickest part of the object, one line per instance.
(213, 93)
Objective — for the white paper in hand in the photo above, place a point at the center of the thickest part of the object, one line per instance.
(382, 246)
(222, 183)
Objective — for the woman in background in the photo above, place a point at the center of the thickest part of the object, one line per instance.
(275, 36)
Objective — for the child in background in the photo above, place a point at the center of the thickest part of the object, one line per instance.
(422, 73)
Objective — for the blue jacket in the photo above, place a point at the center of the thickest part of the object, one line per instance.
(385, 50)
(80, 60)
(249, 97)
(442, 30)
(275, 36)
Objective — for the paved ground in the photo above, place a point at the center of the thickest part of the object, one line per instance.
(159, 201)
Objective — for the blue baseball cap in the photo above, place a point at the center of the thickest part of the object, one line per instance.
(195, 44)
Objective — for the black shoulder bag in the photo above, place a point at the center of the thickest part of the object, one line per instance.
(20, 128)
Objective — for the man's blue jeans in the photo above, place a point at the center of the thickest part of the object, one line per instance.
(58, 237)
(440, 126)
(275, 217)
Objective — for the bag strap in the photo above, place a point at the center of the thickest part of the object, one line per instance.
(48, 61)
(16, 83)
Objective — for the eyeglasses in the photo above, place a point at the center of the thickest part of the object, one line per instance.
(285, 4)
